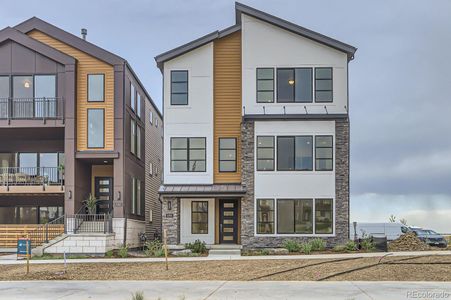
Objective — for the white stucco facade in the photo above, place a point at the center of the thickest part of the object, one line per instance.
(185, 222)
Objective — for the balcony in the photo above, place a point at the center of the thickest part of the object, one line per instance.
(25, 180)
(31, 109)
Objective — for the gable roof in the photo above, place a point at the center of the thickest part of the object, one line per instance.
(12, 34)
(244, 9)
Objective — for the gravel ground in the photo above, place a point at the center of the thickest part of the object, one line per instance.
(238, 270)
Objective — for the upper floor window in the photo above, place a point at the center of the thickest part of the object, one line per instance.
(138, 105)
(323, 85)
(137, 199)
(179, 87)
(295, 153)
(188, 154)
(96, 128)
(96, 87)
(227, 155)
(150, 117)
(265, 85)
(132, 96)
(23, 87)
(265, 153)
(294, 85)
(324, 153)
(4, 88)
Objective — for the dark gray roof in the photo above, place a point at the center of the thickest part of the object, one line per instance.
(295, 117)
(241, 8)
(202, 189)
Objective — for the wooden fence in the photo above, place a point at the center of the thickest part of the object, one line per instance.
(11, 232)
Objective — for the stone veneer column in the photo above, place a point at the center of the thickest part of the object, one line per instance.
(171, 220)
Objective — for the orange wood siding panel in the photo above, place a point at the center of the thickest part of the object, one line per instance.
(87, 64)
(227, 100)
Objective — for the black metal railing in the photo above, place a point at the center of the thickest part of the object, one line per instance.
(47, 232)
(31, 176)
(31, 108)
(89, 223)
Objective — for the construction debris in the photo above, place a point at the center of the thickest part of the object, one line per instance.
(408, 242)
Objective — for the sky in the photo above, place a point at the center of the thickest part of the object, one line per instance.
(399, 81)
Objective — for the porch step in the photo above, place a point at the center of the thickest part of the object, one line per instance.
(224, 252)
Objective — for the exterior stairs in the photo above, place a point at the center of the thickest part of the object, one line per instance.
(224, 250)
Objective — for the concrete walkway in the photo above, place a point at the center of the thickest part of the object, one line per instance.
(115, 290)
(11, 259)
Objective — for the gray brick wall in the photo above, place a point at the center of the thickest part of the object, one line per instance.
(171, 220)
(248, 239)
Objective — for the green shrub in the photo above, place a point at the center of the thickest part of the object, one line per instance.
(339, 248)
(197, 247)
(154, 248)
(351, 246)
(318, 244)
(138, 296)
(264, 252)
(306, 248)
(291, 246)
(109, 253)
(123, 251)
(367, 244)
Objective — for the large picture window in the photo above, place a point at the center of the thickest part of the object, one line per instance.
(96, 128)
(295, 216)
(199, 217)
(227, 155)
(294, 85)
(179, 87)
(265, 216)
(265, 153)
(265, 85)
(324, 153)
(324, 216)
(295, 153)
(188, 154)
(96, 87)
(323, 85)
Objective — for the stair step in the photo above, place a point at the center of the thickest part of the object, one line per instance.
(224, 252)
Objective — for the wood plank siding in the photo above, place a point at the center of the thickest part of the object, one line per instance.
(227, 100)
(87, 64)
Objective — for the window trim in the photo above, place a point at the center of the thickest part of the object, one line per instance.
(187, 154)
(312, 77)
(273, 153)
(294, 151)
(273, 212)
(87, 128)
(192, 211)
(187, 88)
(294, 215)
(87, 87)
(332, 84)
(219, 154)
(332, 158)
(273, 84)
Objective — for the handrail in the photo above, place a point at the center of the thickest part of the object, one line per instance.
(89, 223)
(46, 232)
(32, 108)
(32, 176)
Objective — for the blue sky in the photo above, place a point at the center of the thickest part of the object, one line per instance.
(400, 81)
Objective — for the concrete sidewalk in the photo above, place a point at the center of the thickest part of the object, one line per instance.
(11, 259)
(115, 290)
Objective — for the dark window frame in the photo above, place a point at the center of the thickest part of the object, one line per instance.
(312, 201)
(332, 213)
(273, 211)
(187, 149)
(294, 85)
(87, 128)
(273, 153)
(316, 153)
(198, 212)
(178, 93)
(133, 92)
(87, 86)
(294, 152)
(273, 84)
(225, 160)
(332, 84)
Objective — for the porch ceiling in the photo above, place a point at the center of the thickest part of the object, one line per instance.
(203, 190)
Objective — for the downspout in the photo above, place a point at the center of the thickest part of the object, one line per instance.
(123, 149)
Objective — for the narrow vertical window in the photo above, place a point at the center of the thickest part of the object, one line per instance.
(138, 142)
(133, 136)
(45, 104)
(133, 188)
(265, 153)
(96, 87)
(265, 85)
(265, 216)
(324, 153)
(323, 85)
(132, 97)
(22, 105)
(227, 155)
(285, 153)
(4, 97)
(139, 204)
(324, 216)
(138, 105)
(96, 128)
(199, 217)
(150, 117)
(179, 87)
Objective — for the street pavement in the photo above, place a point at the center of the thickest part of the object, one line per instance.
(227, 290)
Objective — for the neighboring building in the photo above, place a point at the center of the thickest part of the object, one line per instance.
(75, 120)
(256, 138)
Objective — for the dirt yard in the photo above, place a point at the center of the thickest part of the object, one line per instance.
(431, 268)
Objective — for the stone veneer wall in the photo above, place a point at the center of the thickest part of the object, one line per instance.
(248, 239)
(171, 220)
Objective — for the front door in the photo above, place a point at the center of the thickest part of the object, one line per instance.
(228, 221)
(104, 194)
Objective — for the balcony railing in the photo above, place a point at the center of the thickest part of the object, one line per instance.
(31, 108)
(31, 176)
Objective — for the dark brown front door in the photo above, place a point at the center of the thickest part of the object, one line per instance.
(104, 194)
(228, 221)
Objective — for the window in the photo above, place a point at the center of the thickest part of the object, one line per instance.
(265, 216)
(294, 85)
(23, 87)
(49, 166)
(96, 87)
(138, 105)
(150, 168)
(132, 97)
(324, 152)
(156, 123)
(179, 87)
(295, 153)
(28, 163)
(265, 153)
(188, 155)
(265, 85)
(295, 216)
(136, 197)
(133, 136)
(323, 85)
(138, 142)
(150, 117)
(4, 95)
(95, 128)
(199, 217)
(45, 95)
(323, 216)
(227, 155)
